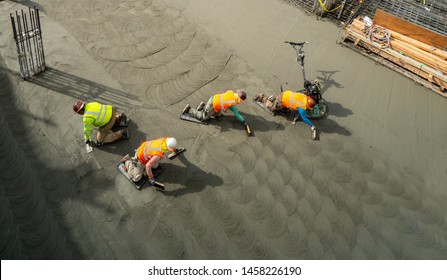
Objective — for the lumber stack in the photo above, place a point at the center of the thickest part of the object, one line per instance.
(421, 59)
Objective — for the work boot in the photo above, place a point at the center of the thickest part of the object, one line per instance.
(186, 109)
(200, 107)
(126, 134)
(123, 119)
(259, 97)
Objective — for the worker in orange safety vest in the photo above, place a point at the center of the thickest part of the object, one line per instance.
(218, 103)
(147, 158)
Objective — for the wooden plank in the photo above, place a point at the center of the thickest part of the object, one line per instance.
(419, 55)
(438, 89)
(407, 49)
(430, 49)
(403, 61)
(409, 29)
(409, 67)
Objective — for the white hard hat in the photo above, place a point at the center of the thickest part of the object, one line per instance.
(171, 143)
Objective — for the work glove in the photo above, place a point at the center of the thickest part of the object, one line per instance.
(152, 181)
(88, 146)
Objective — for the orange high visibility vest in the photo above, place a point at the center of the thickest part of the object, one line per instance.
(225, 100)
(294, 100)
(149, 149)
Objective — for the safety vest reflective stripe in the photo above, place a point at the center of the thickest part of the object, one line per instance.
(295, 103)
(101, 115)
(97, 114)
(226, 100)
(88, 127)
(293, 100)
(150, 148)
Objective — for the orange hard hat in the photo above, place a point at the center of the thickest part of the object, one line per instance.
(78, 106)
(310, 102)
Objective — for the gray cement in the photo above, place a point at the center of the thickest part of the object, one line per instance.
(372, 187)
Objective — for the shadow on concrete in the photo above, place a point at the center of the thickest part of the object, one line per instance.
(39, 195)
(190, 175)
(256, 123)
(125, 146)
(330, 126)
(82, 89)
(336, 109)
(327, 81)
(30, 116)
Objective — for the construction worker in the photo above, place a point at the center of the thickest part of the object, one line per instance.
(147, 158)
(102, 116)
(296, 101)
(217, 103)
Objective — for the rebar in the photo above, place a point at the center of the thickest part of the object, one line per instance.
(431, 15)
(27, 34)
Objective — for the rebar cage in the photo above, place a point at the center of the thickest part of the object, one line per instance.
(27, 34)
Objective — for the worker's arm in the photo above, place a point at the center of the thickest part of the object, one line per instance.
(303, 115)
(88, 127)
(241, 119)
(150, 164)
(236, 113)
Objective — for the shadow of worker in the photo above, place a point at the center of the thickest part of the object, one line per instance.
(190, 176)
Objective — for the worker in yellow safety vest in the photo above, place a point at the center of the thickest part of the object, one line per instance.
(104, 117)
(147, 158)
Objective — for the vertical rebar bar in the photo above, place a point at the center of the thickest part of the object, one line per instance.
(14, 31)
(42, 53)
(22, 54)
(28, 43)
(34, 36)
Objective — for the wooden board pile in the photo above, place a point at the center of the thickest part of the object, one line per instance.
(425, 63)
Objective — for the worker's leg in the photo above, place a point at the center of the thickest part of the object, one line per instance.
(108, 136)
(260, 97)
(205, 114)
(105, 134)
(208, 111)
(269, 102)
(276, 102)
(135, 169)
